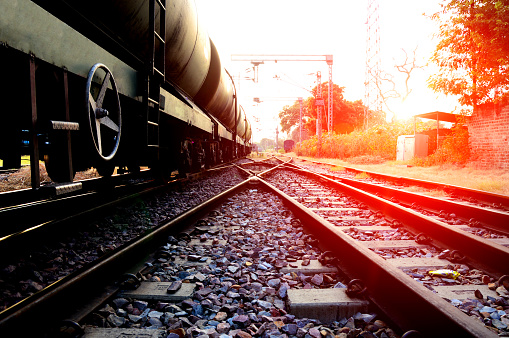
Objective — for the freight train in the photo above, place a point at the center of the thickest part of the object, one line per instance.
(114, 83)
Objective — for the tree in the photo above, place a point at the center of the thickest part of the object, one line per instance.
(473, 51)
(289, 116)
(405, 68)
(346, 115)
(267, 143)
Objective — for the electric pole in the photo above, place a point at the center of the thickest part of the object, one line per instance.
(319, 104)
(257, 59)
(258, 100)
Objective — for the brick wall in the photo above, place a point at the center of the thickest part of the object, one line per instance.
(488, 129)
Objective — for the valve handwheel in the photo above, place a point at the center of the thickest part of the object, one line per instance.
(104, 111)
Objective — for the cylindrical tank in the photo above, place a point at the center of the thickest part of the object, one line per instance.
(241, 125)
(249, 131)
(221, 104)
(191, 60)
(187, 52)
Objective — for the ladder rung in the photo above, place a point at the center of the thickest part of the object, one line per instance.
(158, 72)
(155, 124)
(153, 101)
(159, 37)
(161, 5)
(64, 125)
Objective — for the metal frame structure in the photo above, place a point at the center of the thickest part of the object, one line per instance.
(372, 98)
(319, 104)
(257, 59)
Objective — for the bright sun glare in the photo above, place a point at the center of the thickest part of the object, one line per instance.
(319, 28)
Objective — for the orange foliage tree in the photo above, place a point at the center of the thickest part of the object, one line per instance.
(347, 115)
(473, 51)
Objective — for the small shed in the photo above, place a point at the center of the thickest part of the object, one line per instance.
(438, 116)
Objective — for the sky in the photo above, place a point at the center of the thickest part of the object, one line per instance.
(320, 27)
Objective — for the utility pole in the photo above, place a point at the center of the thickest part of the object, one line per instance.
(277, 141)
(372, 98)
(300, 120)
(319, 104)
(259, 100)
(257, 59)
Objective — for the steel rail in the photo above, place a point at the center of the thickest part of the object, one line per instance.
(23, 219)
(18, 197)
(96, 193)
(479, 252)
(409, 304)
(490, 219)
(464, 192)
(83, 284)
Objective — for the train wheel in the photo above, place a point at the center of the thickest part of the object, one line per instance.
(104, 114)
(105, 169)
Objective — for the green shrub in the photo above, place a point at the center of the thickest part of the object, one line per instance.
(379, 141)
(378, 144)
(453, 150)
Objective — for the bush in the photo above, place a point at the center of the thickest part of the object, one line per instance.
(378, 144)
(453, 150)
(377, 141)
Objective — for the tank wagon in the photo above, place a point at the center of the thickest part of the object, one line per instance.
(106, 83)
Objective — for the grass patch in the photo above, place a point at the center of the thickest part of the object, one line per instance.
(469, 176)
(490, 185)
(366, 159)
(337, 168)
(362, 176)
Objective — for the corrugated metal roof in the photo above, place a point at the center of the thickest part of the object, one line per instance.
(441, 116)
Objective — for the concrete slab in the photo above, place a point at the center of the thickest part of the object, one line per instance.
(463, 291)
(209, 229)
(323, 198)
(347, 218)
(367, 228)
(314, 267)
(185, 262)
(431, 263)
(94, 332)
(157, 291)
(501, 241)
(327, 305)
(333, 209)
(403, 244)
(196, 242)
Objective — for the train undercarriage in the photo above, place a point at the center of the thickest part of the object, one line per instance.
(74, 105)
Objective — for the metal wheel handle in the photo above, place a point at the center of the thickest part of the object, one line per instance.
(104, 116)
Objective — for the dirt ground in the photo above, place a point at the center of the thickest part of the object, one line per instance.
(492, 180)
(21, 179)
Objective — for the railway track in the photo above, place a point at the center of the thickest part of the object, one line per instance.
(252, 250)
(73, 241)
(473, 196)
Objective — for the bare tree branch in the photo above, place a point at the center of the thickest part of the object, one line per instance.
(406, 67)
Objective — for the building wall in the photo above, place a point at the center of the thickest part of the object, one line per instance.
(488, 130)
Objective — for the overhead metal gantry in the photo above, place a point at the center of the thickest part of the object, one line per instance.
(257, 59)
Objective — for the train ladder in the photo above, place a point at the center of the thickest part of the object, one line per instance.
(156, 73)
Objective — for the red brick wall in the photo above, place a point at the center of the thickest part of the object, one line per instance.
(488, 129)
